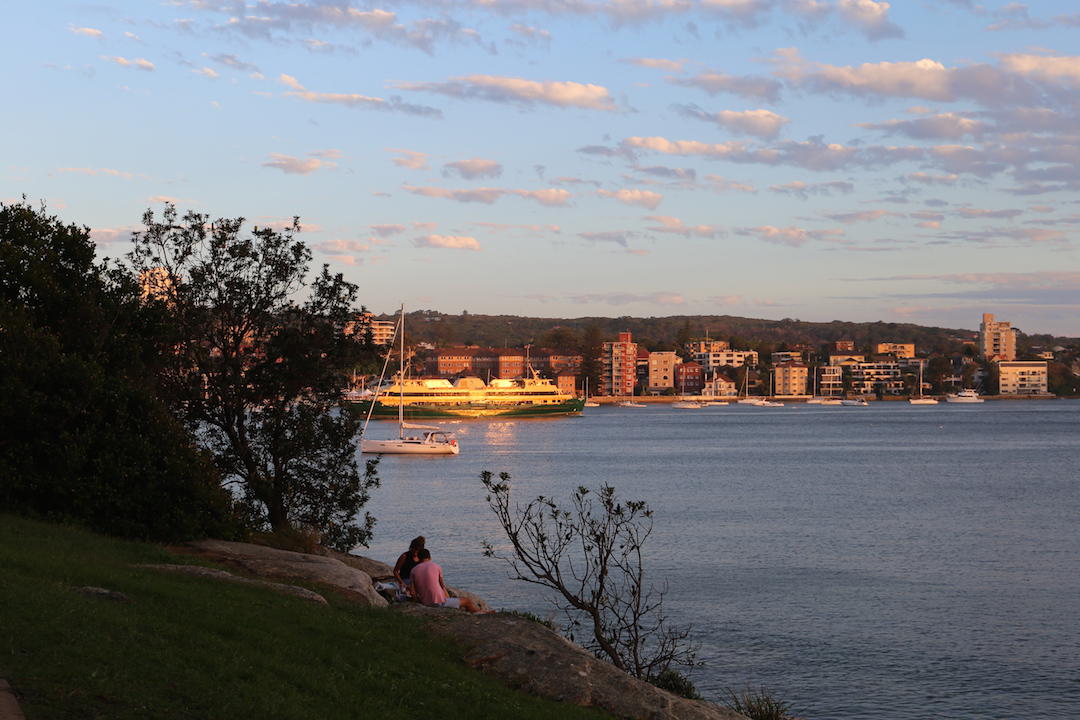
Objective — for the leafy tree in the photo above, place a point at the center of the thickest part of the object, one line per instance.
(591, 555)
(258, 376)
(84, 436)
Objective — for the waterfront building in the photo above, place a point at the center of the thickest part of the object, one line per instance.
(790, 378)
(733, 358)
(719, 385)
(846, 358)
(997, 339)
(689, 378)
(1022, 377)
(706, 346)
(618, 366)
(783, 356)
(881, 375)
(830, 381)
(454, 361)
(382, 331)
(661, 365)
(898, 350)
(844, 346)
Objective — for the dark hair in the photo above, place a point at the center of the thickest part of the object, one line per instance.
(417, 544)
(424, 554)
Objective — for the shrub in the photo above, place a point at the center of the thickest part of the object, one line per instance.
(757, 704)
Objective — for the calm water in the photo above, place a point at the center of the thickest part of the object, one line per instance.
(891, 561)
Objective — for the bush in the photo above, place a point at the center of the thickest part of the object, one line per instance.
(757, 704)
(675, 682)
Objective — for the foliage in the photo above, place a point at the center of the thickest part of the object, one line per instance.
(757, 704)
(531, 617)
(258, 376)
(85, 438)
(184, 647)
(592, 556)
(676, 683)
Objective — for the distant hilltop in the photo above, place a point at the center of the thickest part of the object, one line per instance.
(473, 329)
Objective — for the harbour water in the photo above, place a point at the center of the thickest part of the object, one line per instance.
(888, 562)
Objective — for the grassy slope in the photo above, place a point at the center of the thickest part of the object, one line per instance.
(187, 647)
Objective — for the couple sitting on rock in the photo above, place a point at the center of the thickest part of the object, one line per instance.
(423, 579)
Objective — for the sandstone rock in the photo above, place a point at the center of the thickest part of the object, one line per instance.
(377, 570)
(216, 574)
(271, 562)
(459, 593)
(530, 657)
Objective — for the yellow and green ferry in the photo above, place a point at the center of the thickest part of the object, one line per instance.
(471, 397)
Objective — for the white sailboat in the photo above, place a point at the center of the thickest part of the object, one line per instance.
(429, 440)
(588, 402)
(964, 396)
(920, 400)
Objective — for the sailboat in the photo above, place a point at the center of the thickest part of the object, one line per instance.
(746, 399)
(630, 403)
(429, 440)
(920, 400)
(588, 402)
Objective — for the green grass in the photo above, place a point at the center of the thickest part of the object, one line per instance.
(186, 647)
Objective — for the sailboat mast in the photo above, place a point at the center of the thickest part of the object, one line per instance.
(401, 379)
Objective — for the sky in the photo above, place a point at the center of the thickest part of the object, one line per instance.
(913, 161)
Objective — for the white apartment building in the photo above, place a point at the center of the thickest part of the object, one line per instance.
(1020, 377)
(382, 331)
(720, 386)
(790, 379)
(830, 381)
(997, 340)
(719, 358)
(783, 356)
(900, 350)
(868, 377)
(662, 370)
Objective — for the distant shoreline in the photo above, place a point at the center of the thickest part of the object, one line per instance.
(800, 399)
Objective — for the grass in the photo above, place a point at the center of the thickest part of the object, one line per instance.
(186, 647)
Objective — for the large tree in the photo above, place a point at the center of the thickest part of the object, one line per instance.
(257, 372)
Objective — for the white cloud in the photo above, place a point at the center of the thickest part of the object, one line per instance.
(871, 17)
(761, 123)
(861, 216)
(137, 63)
(675, 226)
(355, 100)
(644, 198)
(1048, 68)
(498, 88)
(297, 166)
(207, 72)
(804, 190)
(110, 172)
(387, 230)
(714, 83)
(410, 159)
(473, 168)
(87, 31)
(551, 197)
(452, 242)
(657, 63)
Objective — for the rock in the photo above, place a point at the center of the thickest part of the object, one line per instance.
(458, 593)
(377, 570)
(103, 593)
(9, 704)
(271, 562)
(530, 657)
(216, 574)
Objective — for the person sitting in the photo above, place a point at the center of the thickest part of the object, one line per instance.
(430, 589)
(406, 562)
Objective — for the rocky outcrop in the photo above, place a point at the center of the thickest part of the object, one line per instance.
(377, 570)
(199, 571)
(530, 657)
(285, 564)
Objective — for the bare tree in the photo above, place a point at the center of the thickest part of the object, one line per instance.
(591, 555)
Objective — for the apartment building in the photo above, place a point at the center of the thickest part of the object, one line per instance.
(830, 381)
(898, 350)
(719, 385)
(382, 331)
(662, 370)
(719, 358)
(706, 346)
(790, 379)
(997, 339)
(618, 366)
(1019, 377)
(689, 378)
(783, 356)
(868, 378)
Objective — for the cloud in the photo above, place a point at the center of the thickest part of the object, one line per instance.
(137, 63)
(619, 237)
(207, 72)
(804, 190)
(410, 159)
(530, 34)
(644, 198)
(355, 100)
(113, 236)
(473, 168)
(760, 123)
(675, 66)
(675, 226)
(946, 126)
(792, 236)
(722, 184)
(233, 62)
(979, 213)
(745, 13)
(551, 197)
(496, 88)
(714, 83)
(452, 242)
(872, 18)
(297, 166)
(110, 172)
(1047, 68)
(862, 216)
(163, 199)
(928, 179)
(387, 230)
(668, 173)
(87, 31)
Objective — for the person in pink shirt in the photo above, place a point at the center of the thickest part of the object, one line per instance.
(429, 588)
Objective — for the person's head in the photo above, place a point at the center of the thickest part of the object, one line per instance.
(424, 554)
(417, 544)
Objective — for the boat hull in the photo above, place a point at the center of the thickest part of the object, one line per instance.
(407, 447)
(421, 411)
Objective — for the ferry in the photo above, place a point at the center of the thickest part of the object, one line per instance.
(471, 397)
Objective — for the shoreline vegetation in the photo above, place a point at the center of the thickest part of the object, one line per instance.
(96, 629)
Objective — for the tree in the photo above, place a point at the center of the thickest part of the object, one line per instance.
(258, 377)
(85, 437)
(592, 556)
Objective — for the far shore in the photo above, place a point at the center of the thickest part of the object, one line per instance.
(668, 399)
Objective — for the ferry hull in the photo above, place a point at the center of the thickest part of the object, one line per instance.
(419, 411)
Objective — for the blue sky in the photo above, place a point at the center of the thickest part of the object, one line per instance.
(814, 159)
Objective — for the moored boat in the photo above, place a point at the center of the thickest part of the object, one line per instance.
(964, 396)
(854, 402)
